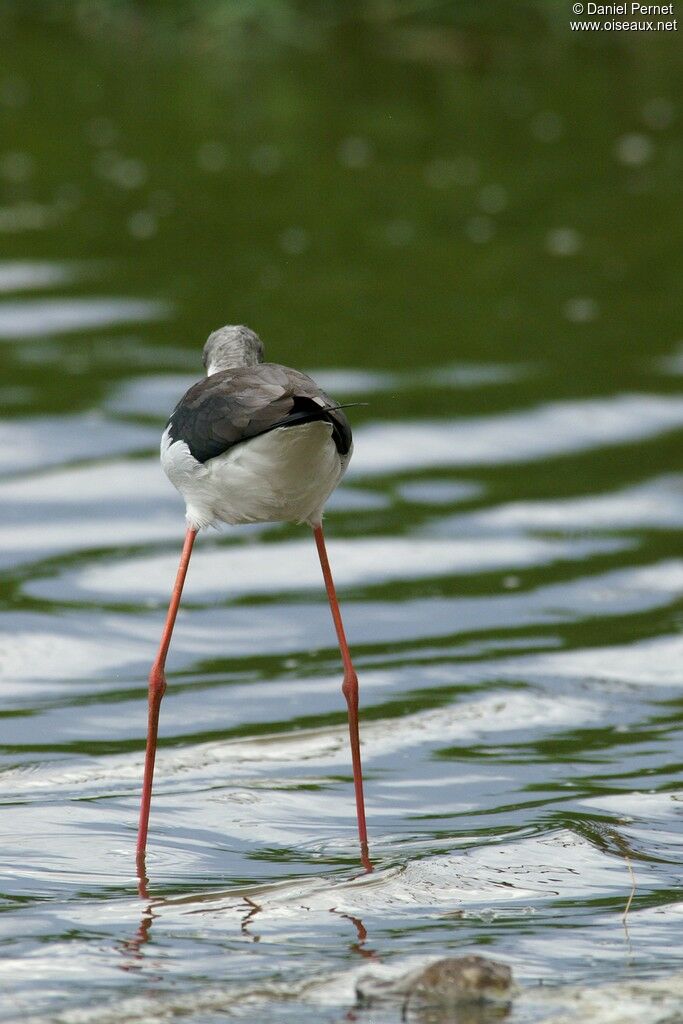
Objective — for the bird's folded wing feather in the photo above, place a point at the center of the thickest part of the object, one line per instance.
(230, 407)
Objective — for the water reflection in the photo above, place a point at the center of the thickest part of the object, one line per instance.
(253, 910)
(132, 949)
(362, 933)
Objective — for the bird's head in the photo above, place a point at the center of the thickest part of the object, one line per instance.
(232, 346)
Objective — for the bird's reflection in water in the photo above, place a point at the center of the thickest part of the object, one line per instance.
(361, 932)
(254, 909)
(131, 949)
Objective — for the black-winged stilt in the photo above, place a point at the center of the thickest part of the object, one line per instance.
(253, 442)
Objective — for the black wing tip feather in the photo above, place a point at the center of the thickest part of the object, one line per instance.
(307, 410)
(197, 423)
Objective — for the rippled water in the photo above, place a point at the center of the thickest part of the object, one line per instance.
(507, 550)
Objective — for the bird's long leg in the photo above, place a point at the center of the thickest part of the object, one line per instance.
(157, 688)
(350, 691)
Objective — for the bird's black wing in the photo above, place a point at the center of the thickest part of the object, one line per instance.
(233, 406)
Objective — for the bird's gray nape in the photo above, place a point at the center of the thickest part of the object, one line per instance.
(232, 346)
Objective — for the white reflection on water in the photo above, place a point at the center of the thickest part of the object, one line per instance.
(439, 492)
(21, 275)
(126, 643)
(521, 436)
(672, 365)
(38, 318)
(646, 663)
(120, 481)
(152, 396)
(292, 565)
(52, 440)
(656, 503)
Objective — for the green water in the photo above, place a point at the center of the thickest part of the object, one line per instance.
(466, 218)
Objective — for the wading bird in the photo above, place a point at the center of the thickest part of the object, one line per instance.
(253, 442)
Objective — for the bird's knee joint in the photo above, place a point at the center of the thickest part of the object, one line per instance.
(157, 682)
(350, 687)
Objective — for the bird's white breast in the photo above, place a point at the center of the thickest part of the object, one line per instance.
(285, 475)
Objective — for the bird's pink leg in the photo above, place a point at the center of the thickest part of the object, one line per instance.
(157, 688)
(350, 691)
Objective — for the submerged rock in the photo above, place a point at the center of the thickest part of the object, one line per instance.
(457, 990)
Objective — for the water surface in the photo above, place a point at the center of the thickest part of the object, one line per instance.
(456, 229)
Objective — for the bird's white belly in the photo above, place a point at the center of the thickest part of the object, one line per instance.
(285, 475)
